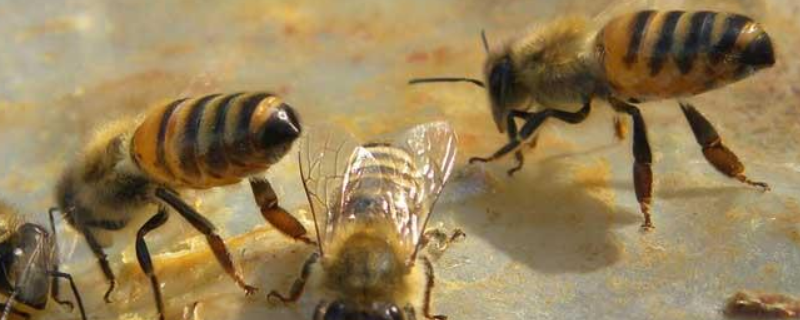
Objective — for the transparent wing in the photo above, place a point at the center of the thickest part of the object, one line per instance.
(620, 7)
(432, 147)
(346, 182)
(323, 158)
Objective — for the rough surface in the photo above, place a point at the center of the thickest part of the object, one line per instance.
(560, 240)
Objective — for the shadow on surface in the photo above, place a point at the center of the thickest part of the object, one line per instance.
(546, 220)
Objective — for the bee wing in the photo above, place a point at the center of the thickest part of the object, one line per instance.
(31, 268)
(324, 158)
(432, 147)
(620, 7)
(335, 170)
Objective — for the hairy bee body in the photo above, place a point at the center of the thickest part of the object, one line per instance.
(133, 167)
(198, 143)
(209, 141)
(371, 204)
(650, 55)
(645, 55)
(366, 264)
(366, 261)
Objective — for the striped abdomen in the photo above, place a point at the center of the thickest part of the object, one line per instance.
(381, 183)
(214, 140)
(652, 54)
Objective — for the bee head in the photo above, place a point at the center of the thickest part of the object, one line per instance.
(341, 310)
(279, 131)
(505, 91)
(502, 86)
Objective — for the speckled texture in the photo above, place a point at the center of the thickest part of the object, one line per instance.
(558, 241)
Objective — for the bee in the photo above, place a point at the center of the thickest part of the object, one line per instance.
(29, 265)
(633, 58)
(370, 208)
(134, 167)
(762, 305)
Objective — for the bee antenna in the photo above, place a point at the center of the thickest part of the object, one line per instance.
(485, 42)
(428, 80)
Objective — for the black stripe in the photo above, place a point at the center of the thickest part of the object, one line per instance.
(216, 160)
(663, 46)
(161, 152)
(733, 27)
(637, 29)
(242, 147)
(700, 25)
(376, 144)
(191, 142)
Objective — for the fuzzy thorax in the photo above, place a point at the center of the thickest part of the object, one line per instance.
(367, 262)
(103, 184)
(555, 63)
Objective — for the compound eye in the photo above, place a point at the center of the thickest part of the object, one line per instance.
(335, 311)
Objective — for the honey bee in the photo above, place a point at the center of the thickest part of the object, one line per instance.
(762, 305)
(133, 167)
(29, 264)
(371, 207)
(634, 57)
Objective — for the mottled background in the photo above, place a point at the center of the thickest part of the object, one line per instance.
(560, 240)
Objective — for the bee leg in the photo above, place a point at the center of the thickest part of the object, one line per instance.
(61, 275)
(55, 284)
(443, 240)
(532, 122)
(102, 259)
(205, 227)
(299, 284)
(512, 138)
(519, 157)
(642, 172)
(722, 158)
(426, 304)
(267, 201)
(143, 255)
(620, 128)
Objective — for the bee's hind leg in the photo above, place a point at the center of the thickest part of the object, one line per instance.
(204, 226)
(267, 201)
(642, 171)
(722, 158)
